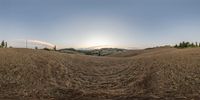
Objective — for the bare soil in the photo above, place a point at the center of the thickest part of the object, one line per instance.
(156, 74)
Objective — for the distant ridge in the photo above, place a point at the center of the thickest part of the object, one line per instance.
(96, 52)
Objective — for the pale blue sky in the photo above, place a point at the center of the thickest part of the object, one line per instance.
(85, 23)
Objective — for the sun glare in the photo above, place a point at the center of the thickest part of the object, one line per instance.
(98, 41)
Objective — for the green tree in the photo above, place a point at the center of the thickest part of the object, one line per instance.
(187, 44)
(196, 44)
(181, 45)
(2, 44)
(192, 45)
(184, 44)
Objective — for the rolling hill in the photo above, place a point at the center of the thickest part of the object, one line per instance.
(154, 74)
(94, 52)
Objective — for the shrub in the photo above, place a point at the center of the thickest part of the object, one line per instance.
(47, 49)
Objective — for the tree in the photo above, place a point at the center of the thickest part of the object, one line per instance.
(6, 44)
(192, 45)
(54, 48)
(187, 44)
(181, 45)
(196, 44)
(2, 44)
(36, 47)
(176, 46)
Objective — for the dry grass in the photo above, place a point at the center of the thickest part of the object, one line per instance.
(163, 73)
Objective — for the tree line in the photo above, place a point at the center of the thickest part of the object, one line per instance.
(187, 45)
(3, 44)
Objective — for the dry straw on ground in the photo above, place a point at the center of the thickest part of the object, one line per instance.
(162, 73)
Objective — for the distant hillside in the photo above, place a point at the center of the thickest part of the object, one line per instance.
(95, 52)
(131, 53)
(70, 51)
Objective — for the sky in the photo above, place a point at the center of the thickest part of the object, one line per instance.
(88, 23)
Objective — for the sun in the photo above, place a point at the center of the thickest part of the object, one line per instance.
(98, 40)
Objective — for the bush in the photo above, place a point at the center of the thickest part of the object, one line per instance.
(47, 49)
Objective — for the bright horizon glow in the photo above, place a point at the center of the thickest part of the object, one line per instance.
(97, 39)
(97, 42)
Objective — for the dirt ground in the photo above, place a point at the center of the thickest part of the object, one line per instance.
(155, 74)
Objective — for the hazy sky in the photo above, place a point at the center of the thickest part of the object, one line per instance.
(85, 23)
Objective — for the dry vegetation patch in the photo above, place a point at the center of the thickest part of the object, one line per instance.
(163, 73)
